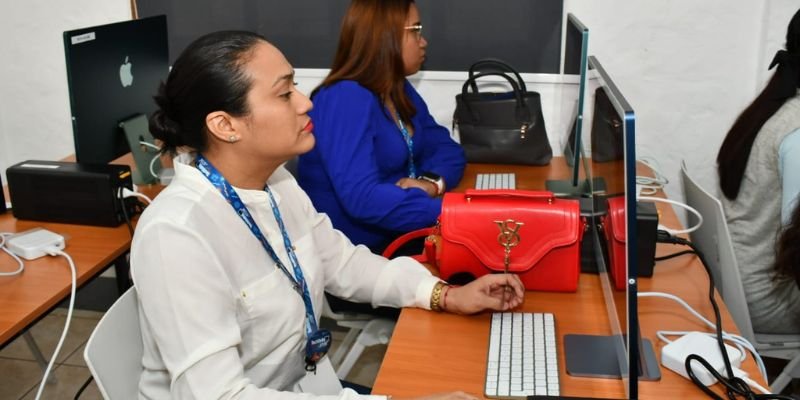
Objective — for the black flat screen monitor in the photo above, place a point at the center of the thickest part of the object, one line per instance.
(621, 353)
(576, 51)
(113, 73)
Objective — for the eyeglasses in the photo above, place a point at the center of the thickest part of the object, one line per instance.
(416, 29)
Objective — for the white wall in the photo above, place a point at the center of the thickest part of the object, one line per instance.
(688, 68)
(34, 103)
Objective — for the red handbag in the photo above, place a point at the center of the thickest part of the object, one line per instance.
(614, 227)
(537, 234)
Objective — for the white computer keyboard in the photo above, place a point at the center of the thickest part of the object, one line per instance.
(496, 181)
(522, 358)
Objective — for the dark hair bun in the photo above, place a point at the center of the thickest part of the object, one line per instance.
(162, 127)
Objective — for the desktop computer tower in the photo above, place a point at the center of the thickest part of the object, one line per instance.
(67, 192)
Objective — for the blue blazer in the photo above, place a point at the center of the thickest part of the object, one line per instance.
(359, 155)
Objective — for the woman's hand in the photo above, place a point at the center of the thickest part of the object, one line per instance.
(429, 187)
(444, 396)
(497, 292)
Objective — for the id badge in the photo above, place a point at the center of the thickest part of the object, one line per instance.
(317, 346)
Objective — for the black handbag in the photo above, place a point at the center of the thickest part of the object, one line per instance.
(607, 138)
(501, 128)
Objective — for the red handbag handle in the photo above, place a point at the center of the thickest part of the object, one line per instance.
(526, 194)
(425, 257)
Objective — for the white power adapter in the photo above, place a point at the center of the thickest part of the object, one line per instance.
(673, 356)
(32, 244)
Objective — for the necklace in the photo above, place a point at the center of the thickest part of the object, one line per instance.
(412, 170)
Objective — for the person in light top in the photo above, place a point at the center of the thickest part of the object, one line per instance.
(231, 260)
(759, 174)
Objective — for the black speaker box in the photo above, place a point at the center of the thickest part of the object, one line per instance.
(647, 231)
(67, 192)
(2, 196)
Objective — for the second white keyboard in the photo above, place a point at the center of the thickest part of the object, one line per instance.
(496, 181)
(522, 358)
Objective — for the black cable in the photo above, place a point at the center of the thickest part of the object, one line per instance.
(730, 385)
(673, 255)
(125, 214)
(83, 387)
(734, 386)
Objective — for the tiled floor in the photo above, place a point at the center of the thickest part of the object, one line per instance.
(20, 374)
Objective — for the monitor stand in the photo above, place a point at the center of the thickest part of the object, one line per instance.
(136, 131)
(565, 188)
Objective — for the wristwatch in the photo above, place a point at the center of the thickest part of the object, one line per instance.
(434, 179)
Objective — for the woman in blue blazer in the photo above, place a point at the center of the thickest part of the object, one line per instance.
(381, 161)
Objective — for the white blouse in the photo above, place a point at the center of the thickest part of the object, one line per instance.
(219, 319)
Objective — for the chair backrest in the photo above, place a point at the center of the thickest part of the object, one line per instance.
(291, 166)
(714, 240)
(114, 351)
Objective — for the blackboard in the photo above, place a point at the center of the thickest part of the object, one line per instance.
(524, 33)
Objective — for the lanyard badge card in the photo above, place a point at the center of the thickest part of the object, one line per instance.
(318, 341)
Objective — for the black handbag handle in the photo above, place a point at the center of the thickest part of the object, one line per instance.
(523, 114)
(495, 65)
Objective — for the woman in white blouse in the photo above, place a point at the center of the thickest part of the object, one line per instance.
(231, 260)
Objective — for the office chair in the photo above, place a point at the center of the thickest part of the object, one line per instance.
(291, 166)
(714, 239)
(114, 351)
(365, 330)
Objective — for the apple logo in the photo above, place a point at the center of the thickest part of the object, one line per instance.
(125, 75)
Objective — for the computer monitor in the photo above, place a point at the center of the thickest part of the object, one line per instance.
(621, 352)
(576, 49)
(113, 72)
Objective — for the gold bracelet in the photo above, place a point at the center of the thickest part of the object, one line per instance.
(436, 296)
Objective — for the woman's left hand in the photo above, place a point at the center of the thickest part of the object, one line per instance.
(497, 292)
(430, 188)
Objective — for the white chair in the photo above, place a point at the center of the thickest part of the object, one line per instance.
(114, 355)
(114, 351)
(364, 331)
(714, 240)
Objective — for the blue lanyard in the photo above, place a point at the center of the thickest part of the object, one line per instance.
(298, 281)
(412, 170)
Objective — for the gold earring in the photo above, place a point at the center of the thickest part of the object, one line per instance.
(232, 138)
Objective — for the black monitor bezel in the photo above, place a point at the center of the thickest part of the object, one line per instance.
(103, 145)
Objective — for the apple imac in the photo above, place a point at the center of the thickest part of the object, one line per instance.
(113, 72)
(621, 353)
(576, 47)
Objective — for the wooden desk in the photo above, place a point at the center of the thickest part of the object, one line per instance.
(45, 282)
(431, 352)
